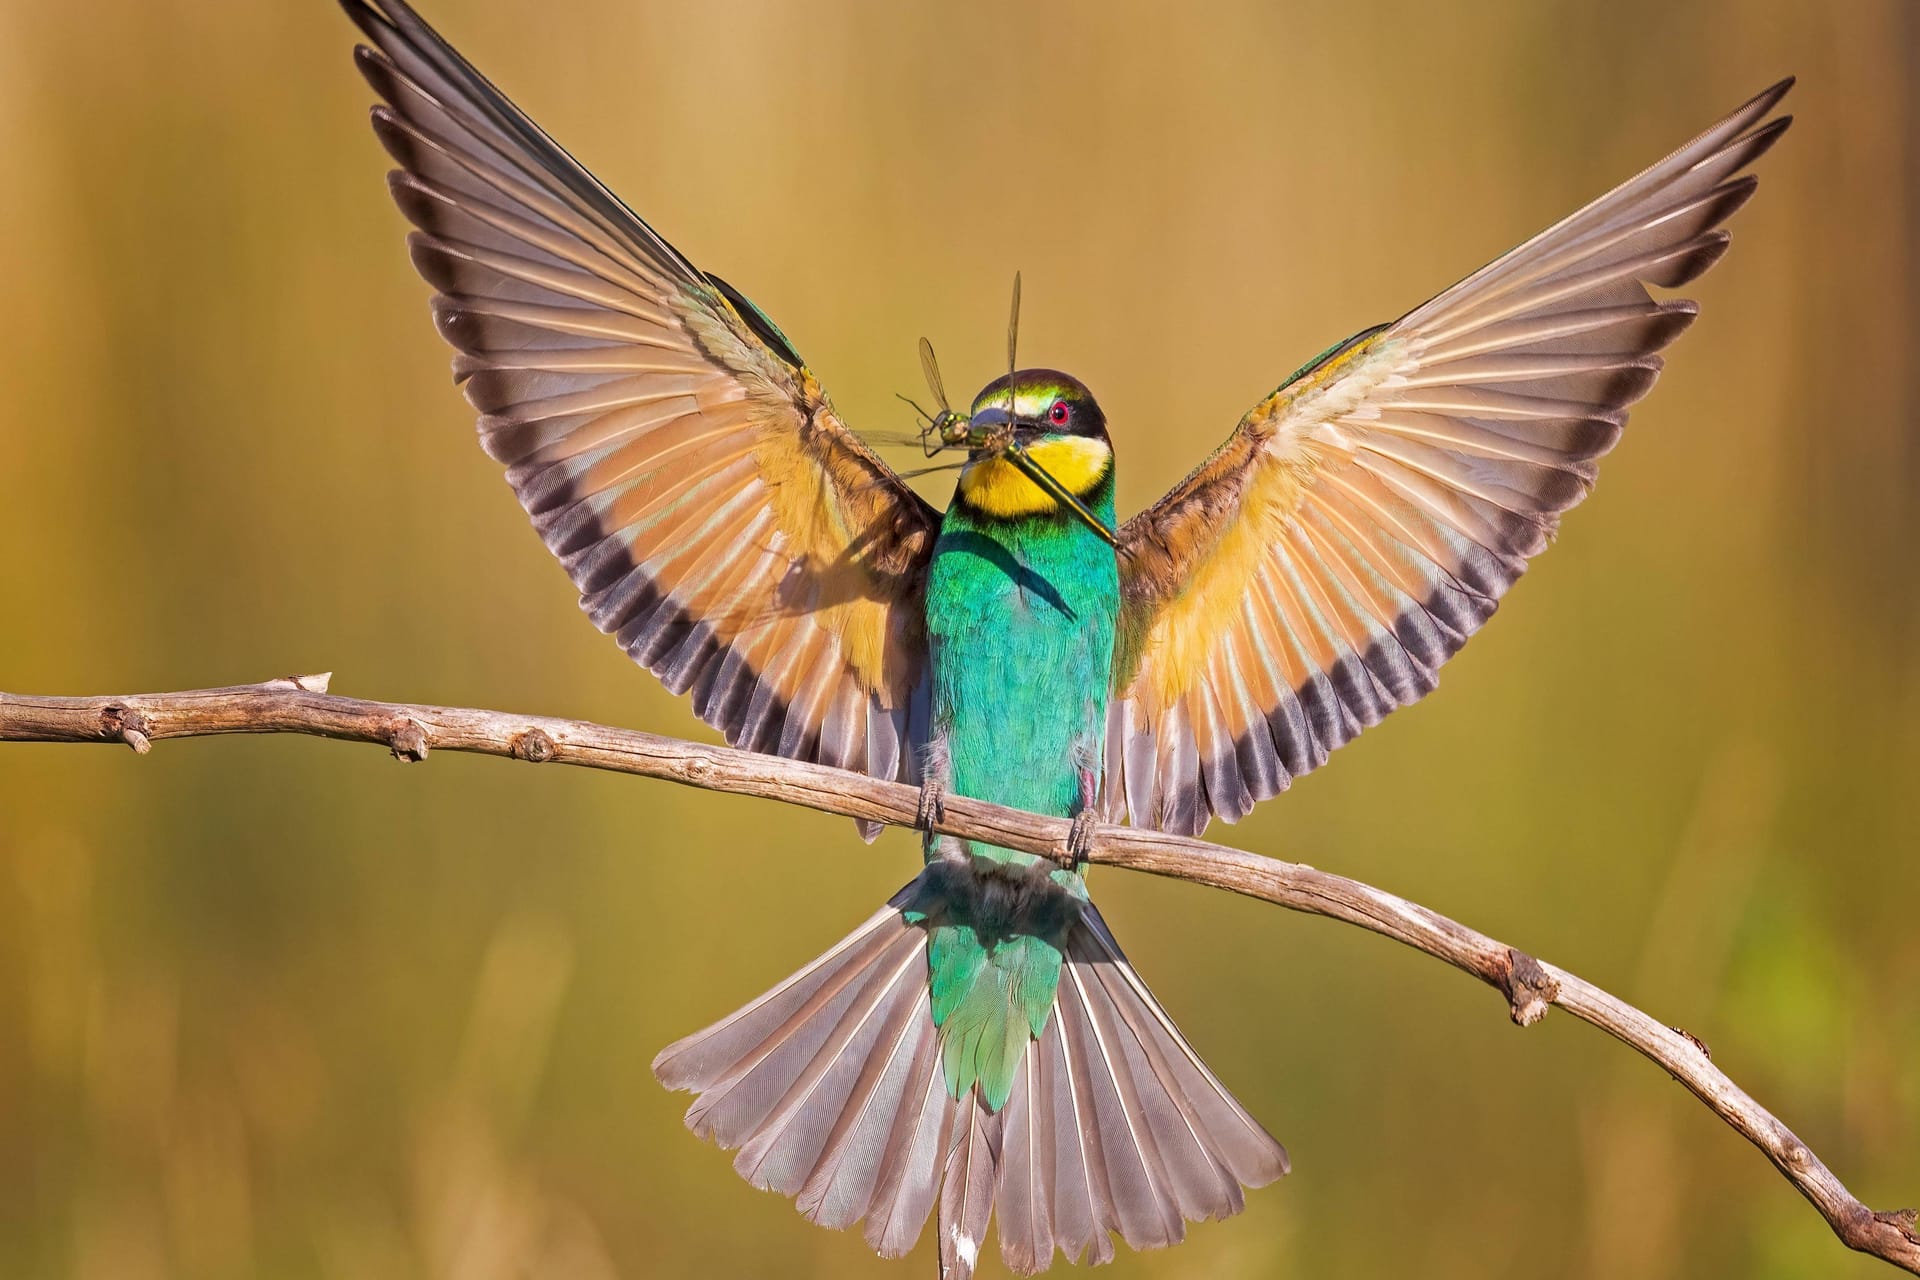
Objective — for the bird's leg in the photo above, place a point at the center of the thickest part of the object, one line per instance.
(1086, 817)
(933, 803)
(1080, 839)
(935, 769)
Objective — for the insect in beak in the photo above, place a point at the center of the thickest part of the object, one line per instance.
(991, 432)
(944, 429)
(952, 430)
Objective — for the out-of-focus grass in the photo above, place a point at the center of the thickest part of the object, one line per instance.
(281, 1008)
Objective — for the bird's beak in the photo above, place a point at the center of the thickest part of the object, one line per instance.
(988, 427)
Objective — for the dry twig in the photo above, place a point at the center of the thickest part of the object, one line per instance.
(301, 704)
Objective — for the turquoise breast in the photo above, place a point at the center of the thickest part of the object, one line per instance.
(1020, 621)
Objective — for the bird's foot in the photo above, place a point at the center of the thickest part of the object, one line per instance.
(1079, 840)
(933, 804)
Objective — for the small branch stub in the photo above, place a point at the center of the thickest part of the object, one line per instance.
(407, 739)
(128, 725)
(1530, 988)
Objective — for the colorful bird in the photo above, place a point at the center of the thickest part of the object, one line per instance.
(981, 1044)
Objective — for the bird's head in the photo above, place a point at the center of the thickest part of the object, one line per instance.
(1039, 446)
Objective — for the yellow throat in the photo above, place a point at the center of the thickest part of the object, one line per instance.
(993, 486)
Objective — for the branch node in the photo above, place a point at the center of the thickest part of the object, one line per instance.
(1905, 1221)
(407, 739)
(1862, 1229)
(316, 683)
(1529, 988)
(531, 745)
(128, 725)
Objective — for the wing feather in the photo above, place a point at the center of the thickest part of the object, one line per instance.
(1366, 518)
(689, 473)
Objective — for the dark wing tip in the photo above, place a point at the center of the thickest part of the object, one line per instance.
(372, 23)
(1758, 105)
(372, 62)
(1769, 98)
(1761, 140)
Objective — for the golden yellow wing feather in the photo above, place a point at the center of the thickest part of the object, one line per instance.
(1365, 519)
(670, 447)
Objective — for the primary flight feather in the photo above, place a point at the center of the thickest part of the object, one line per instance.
(980, 1046)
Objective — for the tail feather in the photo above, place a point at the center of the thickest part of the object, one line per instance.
(1234, 1138)
(699, 1062)
(1024, 1198)
(735, 1106)
(910, 1176)
(1082, 1205)
(967, 1190)
(832, 1087)
(1116, 1126)
(847, 1177)
(1182, 1175)
(1137, 1197)
(792, 1142)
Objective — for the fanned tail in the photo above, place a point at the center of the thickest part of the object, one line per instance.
(830, 1086)
(1115, 1125)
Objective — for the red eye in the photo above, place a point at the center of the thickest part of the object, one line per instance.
(1059, 414)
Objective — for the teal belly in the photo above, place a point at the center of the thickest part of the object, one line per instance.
(1020, 619)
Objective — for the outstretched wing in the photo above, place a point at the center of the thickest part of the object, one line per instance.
(671, 448)
(1366, 518)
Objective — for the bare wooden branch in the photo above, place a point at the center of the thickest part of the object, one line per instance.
(301, 704)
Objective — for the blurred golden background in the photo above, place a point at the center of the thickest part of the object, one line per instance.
(280, 1007)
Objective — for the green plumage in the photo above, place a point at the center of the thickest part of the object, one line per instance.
(1020, 618)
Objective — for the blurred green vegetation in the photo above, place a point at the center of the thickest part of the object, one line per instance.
(279, 1007)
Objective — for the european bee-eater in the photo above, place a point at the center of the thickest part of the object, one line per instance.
(981, 1043)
